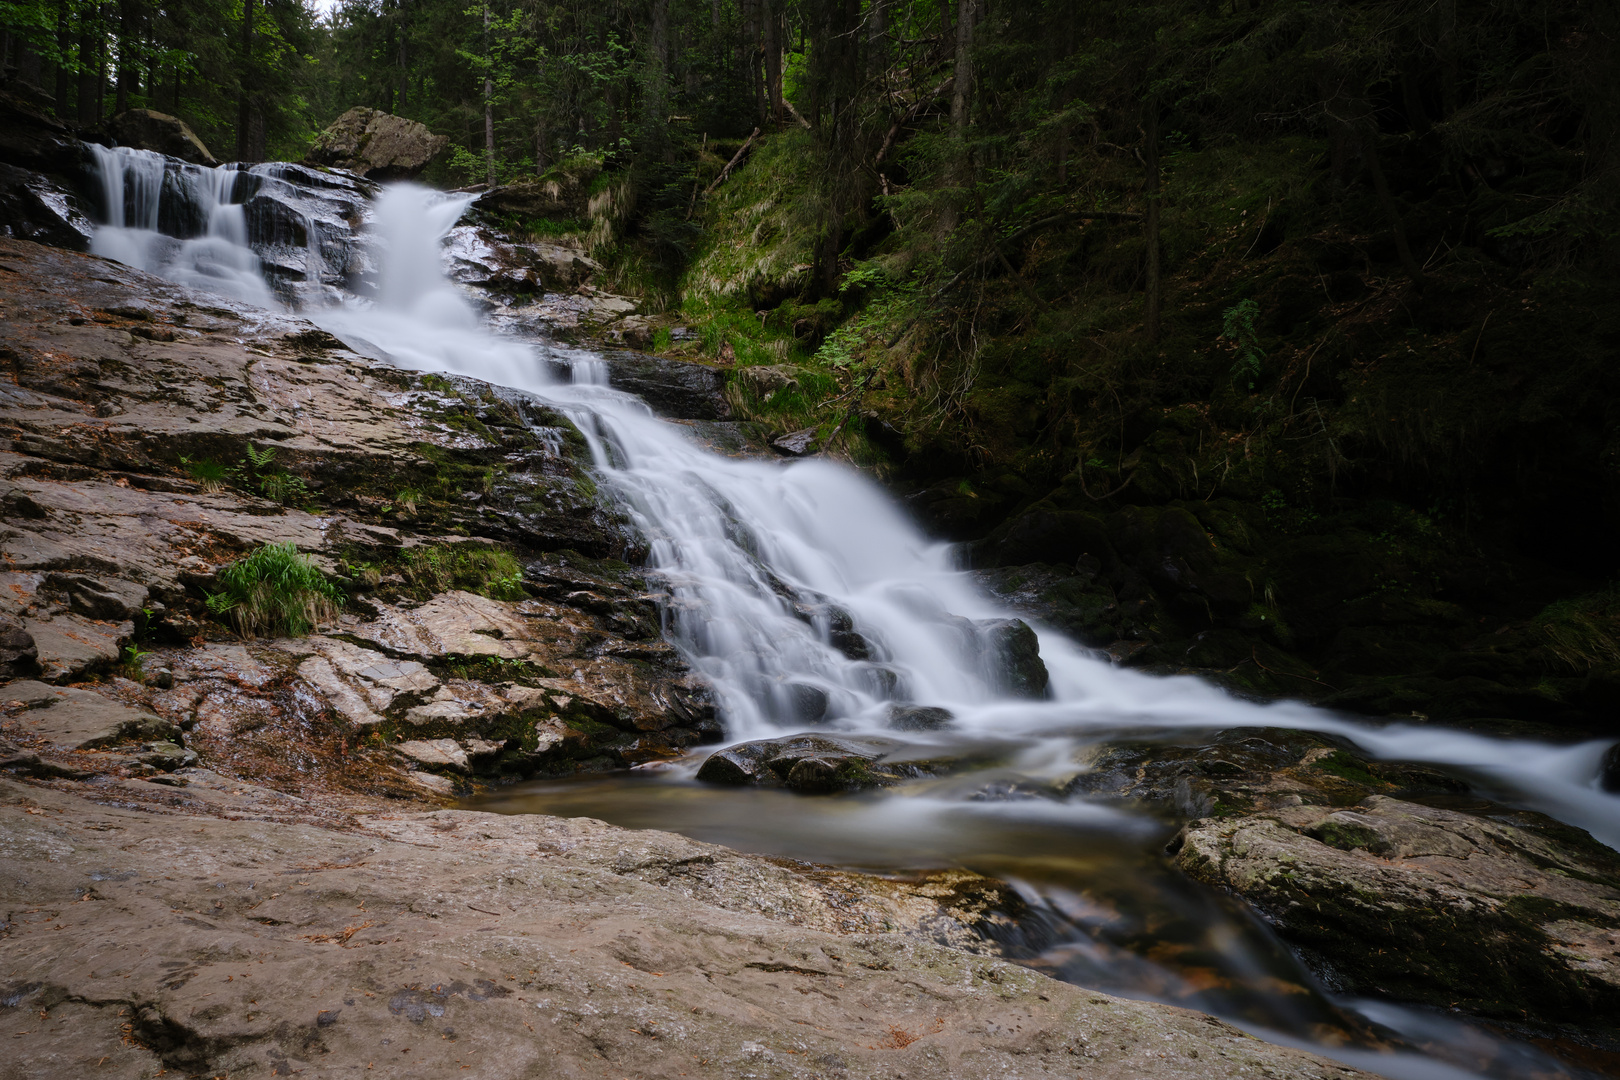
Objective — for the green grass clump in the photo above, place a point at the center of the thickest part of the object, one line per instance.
(474, 568)
(1583, 632)
(275, 591)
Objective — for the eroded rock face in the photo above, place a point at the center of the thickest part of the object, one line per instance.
(1495, 911)
(124, 440)
(376, 145)
(460, 943)
(147, 129)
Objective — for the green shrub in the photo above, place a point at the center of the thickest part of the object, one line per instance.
(275, 591)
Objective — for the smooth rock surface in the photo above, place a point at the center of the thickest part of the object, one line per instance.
(438, 944)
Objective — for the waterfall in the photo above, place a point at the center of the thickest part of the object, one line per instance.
(764, 561)
(805, 597)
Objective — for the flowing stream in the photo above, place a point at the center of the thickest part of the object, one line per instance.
(758, 556)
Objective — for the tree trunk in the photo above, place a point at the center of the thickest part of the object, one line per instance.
(751, 57)
(772, 19)
(489, 107)
(87, 77)
(1151, 226)
(62, 40)
(390, 34)
(401, 59)
(654, 125)
(102, 59)
(126, 43)
(244, 99)
(961, 103)
(1369, 151)
(877, 29)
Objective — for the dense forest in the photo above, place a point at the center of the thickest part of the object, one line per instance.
(1346, 268)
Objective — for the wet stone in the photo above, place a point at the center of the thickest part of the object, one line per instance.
(919, 717)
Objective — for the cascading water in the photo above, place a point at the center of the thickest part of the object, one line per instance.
(763, 563)
(219, 260)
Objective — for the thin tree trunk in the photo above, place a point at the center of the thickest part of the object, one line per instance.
(126, 42)
(961, 103)
(390, 36)
(1151, 227)
(489, 107)
(244, 100)
(102, 60)
(772, 20)
(1369, 150)
(87, 69)
(401, 59)
(62, 40)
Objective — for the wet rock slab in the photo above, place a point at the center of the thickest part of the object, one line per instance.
(1472, 905)
(459, 943)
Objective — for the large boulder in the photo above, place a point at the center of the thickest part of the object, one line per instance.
(147, 129)
(376, 145)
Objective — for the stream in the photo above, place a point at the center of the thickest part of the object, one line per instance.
(759, 556)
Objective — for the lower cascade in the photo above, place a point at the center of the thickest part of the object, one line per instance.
(845, 649)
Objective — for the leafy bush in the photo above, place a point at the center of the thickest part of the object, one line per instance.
(275, 591)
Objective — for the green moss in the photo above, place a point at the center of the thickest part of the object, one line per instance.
(1347, 767)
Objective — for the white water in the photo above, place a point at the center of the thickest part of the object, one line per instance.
(731, 537)
(132, 183)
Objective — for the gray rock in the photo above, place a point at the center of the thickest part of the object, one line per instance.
(76, 719)
(376, 145)
(1468, 912)
(766, 379)
(813, 764)
(167, 756)
(919, 718)
(147, 129)
(69, 645)
(680, 389)
(1014, 655)
(795, 443)
(434, 754)
(37, 208)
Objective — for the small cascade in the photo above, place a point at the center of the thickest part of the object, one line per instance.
(264, 234)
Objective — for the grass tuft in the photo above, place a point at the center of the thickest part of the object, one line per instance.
(275, 591)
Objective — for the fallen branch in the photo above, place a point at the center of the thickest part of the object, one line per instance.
(788, 105)
(732, 164)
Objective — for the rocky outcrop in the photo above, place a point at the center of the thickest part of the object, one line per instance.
(1493, 916)
(34, 207)
(229, 933)
(1472, 905)
(479, 257)
(128, 482)
(376, 145)
(147, 129)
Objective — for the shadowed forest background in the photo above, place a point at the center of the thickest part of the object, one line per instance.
(1278, 338)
